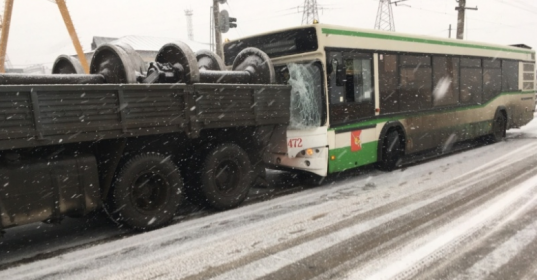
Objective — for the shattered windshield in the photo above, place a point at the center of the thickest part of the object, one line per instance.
(307, 93)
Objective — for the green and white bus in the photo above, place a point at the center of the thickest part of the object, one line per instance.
(368, 96)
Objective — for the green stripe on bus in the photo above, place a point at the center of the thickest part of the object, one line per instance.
(417, 40)
(417, 114)
(347, 159)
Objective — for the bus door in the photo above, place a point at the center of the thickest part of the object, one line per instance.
(351, 102)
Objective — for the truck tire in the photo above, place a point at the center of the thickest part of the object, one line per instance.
(146, 192)
(221, 178)
(392, 151)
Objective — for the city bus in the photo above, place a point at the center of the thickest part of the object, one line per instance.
(364, 97)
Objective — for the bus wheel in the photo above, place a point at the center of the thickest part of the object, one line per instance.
(392, 151)
(222, 179)
(147, 192)
(499, 126)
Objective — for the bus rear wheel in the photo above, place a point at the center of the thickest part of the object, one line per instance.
(499, 126)
(392, 151)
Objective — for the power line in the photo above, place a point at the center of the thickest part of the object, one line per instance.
(526, 8)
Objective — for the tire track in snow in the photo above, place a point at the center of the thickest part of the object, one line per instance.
(502, 255)
(485, 242)
(268, 222)
(394, 249)
(447, 239)
(242, 263)
(324, 260)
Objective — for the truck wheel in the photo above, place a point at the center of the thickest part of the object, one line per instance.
(499, 125)
(147, 192)
(392, 151)
(222, 179)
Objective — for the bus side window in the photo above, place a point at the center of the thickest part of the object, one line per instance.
(358, 86)
(446, 81)
(334, 80)
(415, 77)
(388, 83)
(471, 81)
(509, 75)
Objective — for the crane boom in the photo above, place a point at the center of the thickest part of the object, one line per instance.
(6, 21)
(72, 32)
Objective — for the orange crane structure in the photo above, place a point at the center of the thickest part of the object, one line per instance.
(6, 21)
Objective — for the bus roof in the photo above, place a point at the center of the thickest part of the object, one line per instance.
(396, 41)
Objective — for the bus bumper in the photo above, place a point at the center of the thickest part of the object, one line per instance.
(316, 163)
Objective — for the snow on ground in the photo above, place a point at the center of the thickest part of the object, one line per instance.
(467, 215)
(530, 128)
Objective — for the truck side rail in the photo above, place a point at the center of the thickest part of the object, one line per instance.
(37, 115)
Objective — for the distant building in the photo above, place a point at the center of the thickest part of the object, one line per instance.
(33, 69)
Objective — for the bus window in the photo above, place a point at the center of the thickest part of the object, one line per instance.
(358, 80)
(446, 80)
(388, 83)
(509, 75)
(492, 78)
(350, 86)
(415, 82)
(471, 81)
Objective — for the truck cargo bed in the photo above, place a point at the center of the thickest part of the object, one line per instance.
(36, 115)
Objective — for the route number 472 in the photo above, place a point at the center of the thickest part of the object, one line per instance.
(294, 143)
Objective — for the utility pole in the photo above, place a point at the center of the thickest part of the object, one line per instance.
(217, 34)
(310, 12)
(384, 19)
(211, 30)
(450, 31)
(189, 29)
(461, 17)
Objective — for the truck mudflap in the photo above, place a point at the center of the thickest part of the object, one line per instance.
(47, 190)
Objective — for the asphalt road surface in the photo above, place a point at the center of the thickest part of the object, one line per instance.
(467, 215)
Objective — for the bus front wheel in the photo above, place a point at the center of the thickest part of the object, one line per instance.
(392, 151)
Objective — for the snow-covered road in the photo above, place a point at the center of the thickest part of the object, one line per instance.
(469, 215)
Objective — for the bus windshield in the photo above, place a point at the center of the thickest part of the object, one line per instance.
(276, 44)
(307, 92)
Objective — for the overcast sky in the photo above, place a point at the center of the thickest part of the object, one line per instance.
(38, 34)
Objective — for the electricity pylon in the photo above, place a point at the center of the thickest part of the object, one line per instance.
(310, 12)
(385, 16)
(384, 19)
